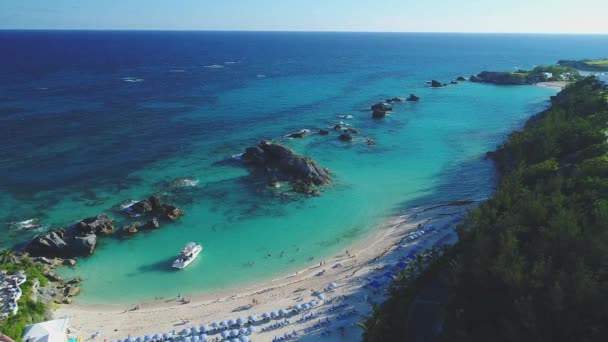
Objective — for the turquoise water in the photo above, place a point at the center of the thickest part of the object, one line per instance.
(96, 141)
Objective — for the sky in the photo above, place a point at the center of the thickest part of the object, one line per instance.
(496, 16)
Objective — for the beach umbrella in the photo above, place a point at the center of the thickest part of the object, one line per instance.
(195, 330)
(231, 322)
(305, 307)
(224, 334)
(244, 339)
(240, 321)
(321, 296)
(127, 339)
(312, 303)
(333, 285)
(274, 314)
(298, 307)
(223, 324)
(234, 333)
(187, 339)
(130, 339)
(204, 338)
(234, 340)
(185, 331)
(195, 338)
(148, 338)
(139, 339)
(167, 336)
(282, 312)
(242, 331)
(158, 337)
(214, 325)
(204, 328)
(265, 316)
(251, 330)
(253, 317)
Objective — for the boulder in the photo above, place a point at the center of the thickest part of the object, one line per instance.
(378, 114)
(71, 291)
(413, 98)
(100, 225)
(461, 79)
(61, 243)
(153, 224)
(69, 262)
(132, 229)
(370, 141)
(338, 127)
(436, 84)
(345, 137)
(280, 163)
(382, 106)
(397, 99)
(171, 212)
(453, 82)
(142, 207)
(352, 131)
(323, 132)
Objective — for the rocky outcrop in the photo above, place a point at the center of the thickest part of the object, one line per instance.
(502, 78)
(345, 137)
(453, 82)
(378, 114)
(382, 106)
(280, 163)
(62, 243)
(413, 98)
(436, 84)
(323, 132)
(337, 127)
(395, 99)
(351, 130)
(460, 79)
(153, 206)
(98, 225)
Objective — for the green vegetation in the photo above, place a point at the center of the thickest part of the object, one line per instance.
(30, 311)
(587, 64)
(532, 261)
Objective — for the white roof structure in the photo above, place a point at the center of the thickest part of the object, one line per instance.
(50, 331)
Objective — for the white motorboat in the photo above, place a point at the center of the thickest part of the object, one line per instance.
(187, 255)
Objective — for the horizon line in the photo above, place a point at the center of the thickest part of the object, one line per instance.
(298, 31)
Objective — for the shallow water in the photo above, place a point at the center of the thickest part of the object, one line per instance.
(90, 119)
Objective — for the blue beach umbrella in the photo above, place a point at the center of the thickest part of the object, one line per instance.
(265, 316)
(204, 338)
(224, 334)
(231, 322)
(242, 331)
(187, 339)
(252, 318)
(282, 312)
(234, 333)
(204, 328)
(240, 321)
(274, 314)
(214, 325)
(139, 339)
(158, 337)
(195, 330)
(167, 336)
(185, 331)
(321, 296)
(130, 339)
(251, 330)
(148, 338)
(305, 307)
(244, 339)
(312, 303)
(223, 324)
(333, 285)
(194, 338)
(298, 307)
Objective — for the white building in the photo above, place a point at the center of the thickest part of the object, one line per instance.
(548, 74)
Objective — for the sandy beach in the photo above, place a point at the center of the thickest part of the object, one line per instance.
(556, 85)
(343, 306)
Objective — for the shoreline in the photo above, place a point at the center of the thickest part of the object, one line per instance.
(560, 85)
(351, 272)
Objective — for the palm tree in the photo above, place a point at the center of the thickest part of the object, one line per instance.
(6, 256)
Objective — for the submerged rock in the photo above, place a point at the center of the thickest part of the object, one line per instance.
(382, 106)
(378, 114)
(461, 79)
(345, 137)
(300, 134)
(323, 132)
(153, 205)
(351, 130)
(453, 82)
(280, 163)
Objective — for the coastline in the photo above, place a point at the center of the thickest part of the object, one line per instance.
(350, 272)
(560, 85)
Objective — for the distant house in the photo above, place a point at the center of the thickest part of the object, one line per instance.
(548, 74)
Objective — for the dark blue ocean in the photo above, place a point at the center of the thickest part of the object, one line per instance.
(91, 119)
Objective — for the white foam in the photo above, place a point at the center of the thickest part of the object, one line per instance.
(229, 62)
(261, 76)
(31, 224)
(177, 70)
(345, 116)
(132, 79)
(214, 66)
(238, 156)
